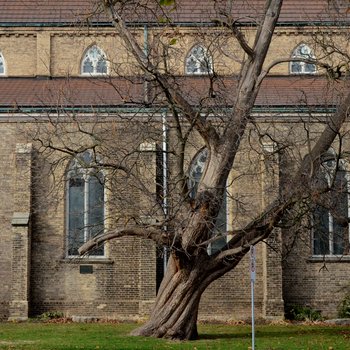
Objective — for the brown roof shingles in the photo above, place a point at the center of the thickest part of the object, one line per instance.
(40, 11)
(187, 11)
(20, 92)
(275, 91)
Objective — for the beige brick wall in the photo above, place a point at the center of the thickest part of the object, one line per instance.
(59, 51)
(320, 284)
(20, 52)
(8, 140)
(123, 286)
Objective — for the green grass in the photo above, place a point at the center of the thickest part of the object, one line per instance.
(102, 336)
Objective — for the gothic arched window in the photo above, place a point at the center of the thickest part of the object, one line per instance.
(94, 62)
(303, 67)
(330, 229)
(198, 61)
(195, 173)
(85, 203)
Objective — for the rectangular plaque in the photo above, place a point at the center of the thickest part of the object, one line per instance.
(86, 269)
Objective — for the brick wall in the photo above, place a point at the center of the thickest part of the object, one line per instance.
(318, 283)
(13, 170)
(59, 51)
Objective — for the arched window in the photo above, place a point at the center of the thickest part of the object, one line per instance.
(195, 173)
(2, 64)
(330, 231)
(85, 203)
(303, 67)
(94, 62)
(198, 61)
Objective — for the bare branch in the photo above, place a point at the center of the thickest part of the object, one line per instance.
(153, 233)
(170, 89)
(276, 62)
(238, 34)
(261, 227)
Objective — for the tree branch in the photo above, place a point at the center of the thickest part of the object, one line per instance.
(155, 234)
(240, 37)
(172, 93)
(261, 227)
(266, 71)
(278, 61)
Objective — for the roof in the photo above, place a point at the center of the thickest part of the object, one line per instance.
(42, 11)
(303, 90)
(53, 12)
(63, 92)
(276, 91)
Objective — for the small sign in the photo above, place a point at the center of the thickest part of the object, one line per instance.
(85, 269)
(252, 263)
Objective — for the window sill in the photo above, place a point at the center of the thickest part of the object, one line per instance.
(86, 260)
(94, 75)
(329, 259)
(199, 75)
(303, 73)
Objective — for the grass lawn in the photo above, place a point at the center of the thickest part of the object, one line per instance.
(103, 336)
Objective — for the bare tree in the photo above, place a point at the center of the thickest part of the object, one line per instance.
(188, 225)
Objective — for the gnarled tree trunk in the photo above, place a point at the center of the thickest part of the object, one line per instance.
(176, 307)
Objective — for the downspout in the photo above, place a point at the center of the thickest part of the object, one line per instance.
(165, 181)
(146, 52)
(164, 148)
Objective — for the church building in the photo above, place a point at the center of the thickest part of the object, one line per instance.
(69, 85)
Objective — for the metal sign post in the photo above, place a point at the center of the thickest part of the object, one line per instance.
(252, 282)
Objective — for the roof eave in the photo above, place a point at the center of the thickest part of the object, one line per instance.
(107, 24)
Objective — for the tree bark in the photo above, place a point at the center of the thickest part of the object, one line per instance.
(176, 307)
(175, 311)
(176, 321)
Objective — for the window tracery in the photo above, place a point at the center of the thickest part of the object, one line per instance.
(303, 51)
(198, 61)
(94, 62)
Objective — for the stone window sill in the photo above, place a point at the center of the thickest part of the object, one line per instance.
(86, 260)
(330, 259)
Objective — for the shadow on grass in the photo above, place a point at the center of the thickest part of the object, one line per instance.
(268, 333)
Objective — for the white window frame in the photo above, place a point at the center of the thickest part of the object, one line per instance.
(198, 58)
(329, 172)
(88, 54)
(75, 167)
(297, 53)
(2, 60)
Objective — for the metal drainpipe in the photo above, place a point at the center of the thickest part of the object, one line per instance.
(146, 52)
(165, 181)
(164, 149)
